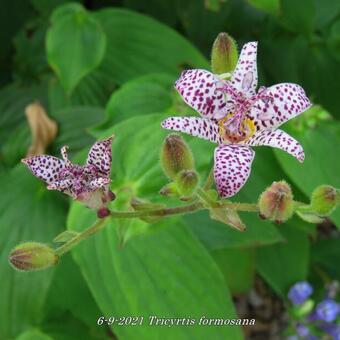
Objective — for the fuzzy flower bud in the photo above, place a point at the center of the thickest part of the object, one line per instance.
(276, 202)
(176, 156)
(324, 199)
(300, 292)
(32, 256)
(187, 181)
(224, 54)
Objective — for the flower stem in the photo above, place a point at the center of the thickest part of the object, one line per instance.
(210, 180)
(158, 212)
(98, 225)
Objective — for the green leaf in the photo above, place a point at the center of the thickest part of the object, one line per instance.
(164, 273)
(75, 44)
(74, 124)
(27, 212)
(238, 267)
(321, 164)
(284, 264)
(268, 6)
(298, 16)
(334, 40)
(70, 297)
(147, 94)
(325, 255)
(33, 334)
(133, 48)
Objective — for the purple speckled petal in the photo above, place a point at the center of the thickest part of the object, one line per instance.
(45, 167)
(288, 101)
(278, 139)
(202, 91)
(198, 127)
(244, 77)
(100, 156)
(232, 168)
(99, 183)
(63, 152)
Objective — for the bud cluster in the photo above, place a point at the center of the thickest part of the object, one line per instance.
(178, 164)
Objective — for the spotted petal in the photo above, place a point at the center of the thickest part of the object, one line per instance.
(288, 101)
(99, 183)
(278, 139)
(100, 156)
(201, 90)
(193, 126)
(45, 167)
(244, 77)
(232, 168)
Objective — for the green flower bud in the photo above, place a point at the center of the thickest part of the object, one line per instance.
(186, 182)
(224, 54)
(324, 200)
(169, 190)
(176, 156)
(32, 256)
(276, 202)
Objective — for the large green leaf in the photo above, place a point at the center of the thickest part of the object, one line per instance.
(75, 44)
(33, 334)
(70, 298)
(238, 267)
(326, 256)
(27, 212)
(166, 273)
(298, 16)
(321, 163)
(134, 49)
(284, 264)
(147, 94)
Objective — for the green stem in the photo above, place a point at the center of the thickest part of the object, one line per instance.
(210, 180)
(158, 212)
(80, 237)
(220, 204)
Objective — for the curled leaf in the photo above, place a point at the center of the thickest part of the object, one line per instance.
(227, 216)
(43, 129)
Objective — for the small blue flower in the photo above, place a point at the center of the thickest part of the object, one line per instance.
(300, 292)
(302, 330)
(327, 310)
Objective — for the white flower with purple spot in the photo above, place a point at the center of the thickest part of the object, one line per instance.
(87, 183)
(236, 116)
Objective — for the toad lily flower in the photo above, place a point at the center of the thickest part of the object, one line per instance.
(236, 117)
(87, 183)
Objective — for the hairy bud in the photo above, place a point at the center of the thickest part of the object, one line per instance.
(324, 200)
(32, 256)
(176, 156)
(186, 182)
(224, 54)
(276, 202)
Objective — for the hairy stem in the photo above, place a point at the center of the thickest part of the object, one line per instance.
(80, 237)
(97, 226)
(210, 180)
(158, 212)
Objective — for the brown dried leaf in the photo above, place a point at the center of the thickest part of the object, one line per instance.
(43, 128)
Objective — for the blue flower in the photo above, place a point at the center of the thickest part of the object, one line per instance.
(300, 292)
(327, 310)
(302, 330)
(332, 329)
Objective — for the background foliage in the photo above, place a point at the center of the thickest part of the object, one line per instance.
(108, 66)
